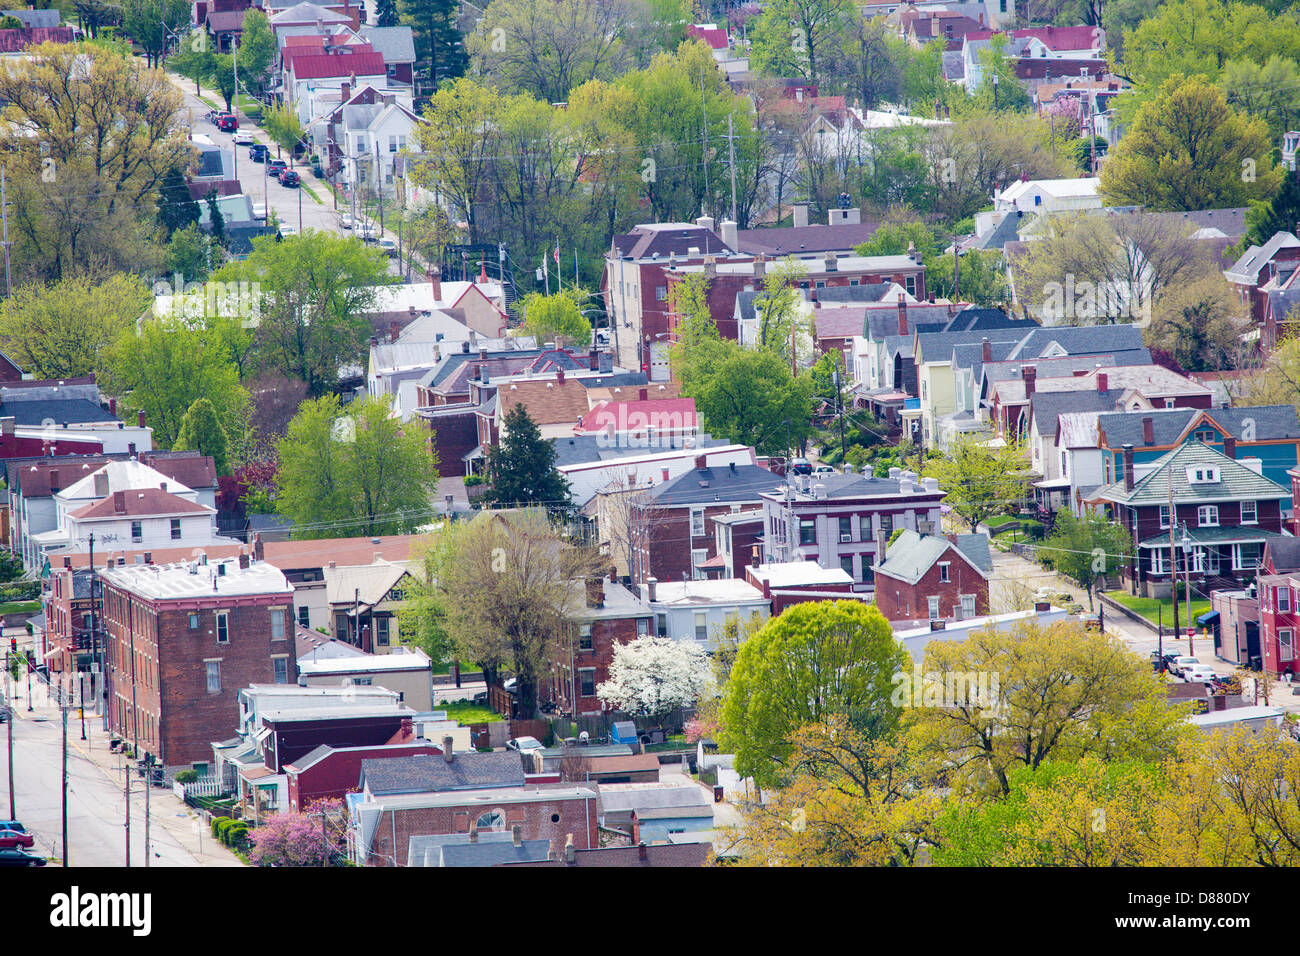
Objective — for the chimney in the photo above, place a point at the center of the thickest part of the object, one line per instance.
(1030, 374)
(650, 586)
(374, 341)
(986, 349)
(1128, 467)
(730, 234)
(613, 574)
(643, 394)
(710, 267)
(112, 406)
(902, 316)
(760, 267)
(701, 462)
(101, 483)
(394, 329)
(800, 214)
(1230, 447)
(554, 853)
(1103, 383)
(130, 449)
(1148, 430)
(435, 280)
(595, 592)
(447, 752)
(570, 851)
(7, 426)
(347, 92)
(705, 222)
(832, 262)
(640, 851)
(259, 553)
(119, 502)
(559, 376)
(473, 833)
(139, 417)
(593, 360)
(331, 565)
(517, 835)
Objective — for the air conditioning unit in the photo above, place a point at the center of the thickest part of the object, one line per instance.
(845, 538)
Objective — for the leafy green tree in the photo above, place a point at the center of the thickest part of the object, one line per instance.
(557, 318)
(386, 14)
(62, 329)
(201, 430)
(522, 467)
(689, 303)
(817, 660)
(354, 471)
(223, 77)
(424, 615)
(9, 22)
(152, 23)
(216, 221)
(1264, 220)
(978, 279)
(164, 367)
(1087, 548)
(190, 253)
(194, 59)
(779, 311)
(439, 47)
(316, 291)
(748, 396)
(281, 124)
(1187, 149)
(795, 37)
(981, 479)
(176, 209)
(256, 52)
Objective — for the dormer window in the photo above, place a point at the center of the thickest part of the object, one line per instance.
(1203, 475)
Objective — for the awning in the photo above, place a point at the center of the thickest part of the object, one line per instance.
(51, 653)
(1208, 618)
(1052, 483)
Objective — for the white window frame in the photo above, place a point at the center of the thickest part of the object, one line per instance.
(697, 522)
(967, 606)
(1164, 517)
(277, 624)
(698, 555)
(592, 672)
(701, 615)
(933, 602)
(1286, 644)
(208, 666)
(1254, 512)
(1283, 595)
(222, 626)
(1158, 561)
(1207, 516)
(276, 660)
(945, 576)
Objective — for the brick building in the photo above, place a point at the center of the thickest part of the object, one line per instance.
(181, 640)
(928, 576)
(612, 615)
(68, 620)
(330, 772)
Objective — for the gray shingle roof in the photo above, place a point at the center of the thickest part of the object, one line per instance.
(1270, 422)
(494, 853)
(870, 292)
(1237, 482)
(1246, 269)
(1284, 554)
(424, 773)
(61, 410)
(707, 485)
(1047, 407)
(394, 44)
(587, 448)
(1081, 340)
(912, 555)
(1008, 230)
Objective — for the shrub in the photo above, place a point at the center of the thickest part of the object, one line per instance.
(187, 776)
(215, 822)
(472, 480)
(237, 837)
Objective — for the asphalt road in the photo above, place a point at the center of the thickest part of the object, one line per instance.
(96, 801)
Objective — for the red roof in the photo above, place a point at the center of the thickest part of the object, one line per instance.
(15, 41)
(326, 65)
(1054, 38)
(715, 37)
(308, 40)
(657, 413)
(141, 501)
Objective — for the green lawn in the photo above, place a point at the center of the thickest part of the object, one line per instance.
(466, 713)
(20, 607)
(1147, 608)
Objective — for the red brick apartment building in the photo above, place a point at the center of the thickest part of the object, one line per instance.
(182, 640)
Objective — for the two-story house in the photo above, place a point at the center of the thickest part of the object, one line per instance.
(934, 577)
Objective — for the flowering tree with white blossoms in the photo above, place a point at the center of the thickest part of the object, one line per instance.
(653, 676)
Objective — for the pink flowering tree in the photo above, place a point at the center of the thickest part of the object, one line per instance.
(314, 838)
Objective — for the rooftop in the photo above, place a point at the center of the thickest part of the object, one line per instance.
(195, 580)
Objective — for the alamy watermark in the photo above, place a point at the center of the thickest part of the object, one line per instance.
(208, 300)
(948, 691)
(1093, 301)
(624, 427)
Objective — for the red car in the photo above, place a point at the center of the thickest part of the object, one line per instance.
(13, 836)
(226, 122)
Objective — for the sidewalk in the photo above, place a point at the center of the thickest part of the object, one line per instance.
(166, 810)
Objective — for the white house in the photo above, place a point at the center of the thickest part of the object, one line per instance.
(1048, 195)
(646, 471)
(697, 610)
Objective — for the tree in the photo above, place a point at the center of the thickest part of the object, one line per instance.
(194, 59)
(439, 47)
(423, 614)
(282, 125)
(513, 580)
(176, 209)
(1087, 548)
(314, 838)
(791, 37)
(779, 309)
(256, 52)
(653, 676)
(358, 471)
(1062, 692)
(386, 14)
(1264, 220)
(189, 253)
(203, 432)
(816, 660)
(152, 23)
(166, 365)
(316, 291)
(547, 48)
(865, 63)
(1199, 324)
(982, 478)
(1188, 149)
(223, 75)
(978, 279)
(557, 318)
(748, 396)
(688, 301)
(61, 329)
(522, 467)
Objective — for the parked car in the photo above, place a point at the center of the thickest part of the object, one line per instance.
(242, 138)
(257, 153)
(367, 231)
(823, 470)
(345, 220)
(12, 835)
(1198, 673)
(273, 166)
(388, 245)
(259, 210)
(286, 230)
(800, 466)
(18, 857)
(1181, 663)
(289, 177)
(227, 123)
(525, 744)
(4, 713)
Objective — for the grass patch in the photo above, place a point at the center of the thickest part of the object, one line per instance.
(1155, 611)
(466, 713)
(20, 607)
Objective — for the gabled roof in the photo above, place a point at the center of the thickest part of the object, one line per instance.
(805, 240)
(1283, 554)
(664, 238)
(912, 555)
(143, 502)
(373, 581)
(719, 484)
(1237, 482)
(394, 44)
(308, 13)
(1171, 426)
(123, 476)
(428, 774)
(1245, 271)
(1047, 407)
(321, 66)
(547, 401)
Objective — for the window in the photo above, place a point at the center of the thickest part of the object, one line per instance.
(943, 572)
(846, 530)
(341, 627)
(661, 293)
(661, 625)
(381, 629)
(1286, 644)
(911, 285)
(584, 638)
(277, 624)
(701, 626)
(967, 606)
(868, 575)
(846, 563)
(1203, 476)
(223, 627)
(587, 682)
(1205, 436)
(492, 820)
(281, 669)
(643, 627)
(887, 525)
(1212, 560)
(1245, 557)
(1038, 200)
(1158, 561)
(1164, 517)
(698, 557)
(137, 532)
(176, 529)
(194, 621)
(697, 522)
(934, 608)
(392, 144)
(1249, 513)
(396, 594)
(1284, 599)
(1207, 516)
(214, 676)
(1169, 403)
(807, 531)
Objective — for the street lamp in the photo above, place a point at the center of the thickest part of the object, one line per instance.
(1187, 584)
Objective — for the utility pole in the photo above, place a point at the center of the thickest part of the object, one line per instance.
(956, 274)
(234, 102)
(839, 405)
(704, 134)
(63, 709)
(148, 785)
(126, 772)
(731, 147)
(379, 193)
(4, 214)
(1092, 135)
(1173, 566)
(1187, 584)
(9, 724)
